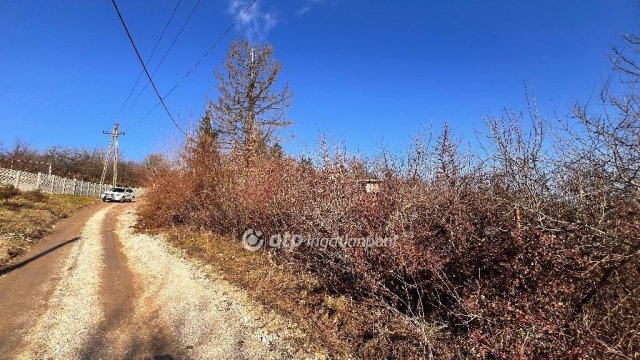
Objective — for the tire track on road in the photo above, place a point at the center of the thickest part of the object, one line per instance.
(208, 318)
(128, 331)
(74, 310)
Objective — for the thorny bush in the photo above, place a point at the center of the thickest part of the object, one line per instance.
(531, 250)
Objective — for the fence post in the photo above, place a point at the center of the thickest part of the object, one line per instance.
(64, 185)
(38, 181)
(74, 187)
(16, 182)
(53, 182)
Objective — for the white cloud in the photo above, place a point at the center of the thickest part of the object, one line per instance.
(309, 4)
(303, 10)
(255, 23)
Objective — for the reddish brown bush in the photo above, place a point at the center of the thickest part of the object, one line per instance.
(470, 280)
(521, 253)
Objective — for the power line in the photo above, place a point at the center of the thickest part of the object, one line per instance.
(113, 146)
(175, 39)
(206, 54)
(155, 47)
(146, 71)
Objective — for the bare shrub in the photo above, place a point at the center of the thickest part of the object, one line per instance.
(8, 192)
(79, 163)
(34, 196)
(529, 251)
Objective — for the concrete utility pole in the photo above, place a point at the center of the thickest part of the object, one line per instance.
(113, 146)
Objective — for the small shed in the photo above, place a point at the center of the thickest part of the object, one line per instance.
(371, 185)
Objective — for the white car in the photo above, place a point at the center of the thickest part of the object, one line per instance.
(118, 194)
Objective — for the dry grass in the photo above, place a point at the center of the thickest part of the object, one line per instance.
(469, 277)
(528, 247)
(29, 216)
(347, 328)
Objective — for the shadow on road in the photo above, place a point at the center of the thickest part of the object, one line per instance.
(22, 263)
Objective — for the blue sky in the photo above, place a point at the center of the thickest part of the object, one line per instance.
(366, 73)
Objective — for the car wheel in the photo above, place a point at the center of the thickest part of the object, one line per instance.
(122, 199)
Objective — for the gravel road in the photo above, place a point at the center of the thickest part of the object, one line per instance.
(110, 293)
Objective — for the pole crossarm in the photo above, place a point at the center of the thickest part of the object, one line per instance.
(113, 148)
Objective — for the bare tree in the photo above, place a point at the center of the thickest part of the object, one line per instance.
(19, 156)
(154, 165)
(604, 144)
(519, 162)
(249, 108)
(624, 62)
(447, 155)
(79, 163)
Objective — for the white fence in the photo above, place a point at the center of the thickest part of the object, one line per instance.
(26, 181)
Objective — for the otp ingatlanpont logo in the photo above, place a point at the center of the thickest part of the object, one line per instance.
(252, 240)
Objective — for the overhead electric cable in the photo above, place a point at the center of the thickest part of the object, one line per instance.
(155, 47)
(206, 54)
(144, 67)
(175, 39)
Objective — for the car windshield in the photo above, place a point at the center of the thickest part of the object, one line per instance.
(118, 190)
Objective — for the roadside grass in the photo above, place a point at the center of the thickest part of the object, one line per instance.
(345, 327)
(29, 216)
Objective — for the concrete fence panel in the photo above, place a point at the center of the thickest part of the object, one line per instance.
(25, 181)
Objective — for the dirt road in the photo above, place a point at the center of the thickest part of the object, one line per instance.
(94, 289)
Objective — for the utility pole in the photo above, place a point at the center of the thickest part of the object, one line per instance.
(113, 146)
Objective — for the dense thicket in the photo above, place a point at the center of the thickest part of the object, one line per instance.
(530, 248)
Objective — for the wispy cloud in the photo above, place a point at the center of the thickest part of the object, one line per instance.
(309, 4)
(255, 23)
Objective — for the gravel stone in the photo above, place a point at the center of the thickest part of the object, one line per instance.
(74, 310)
